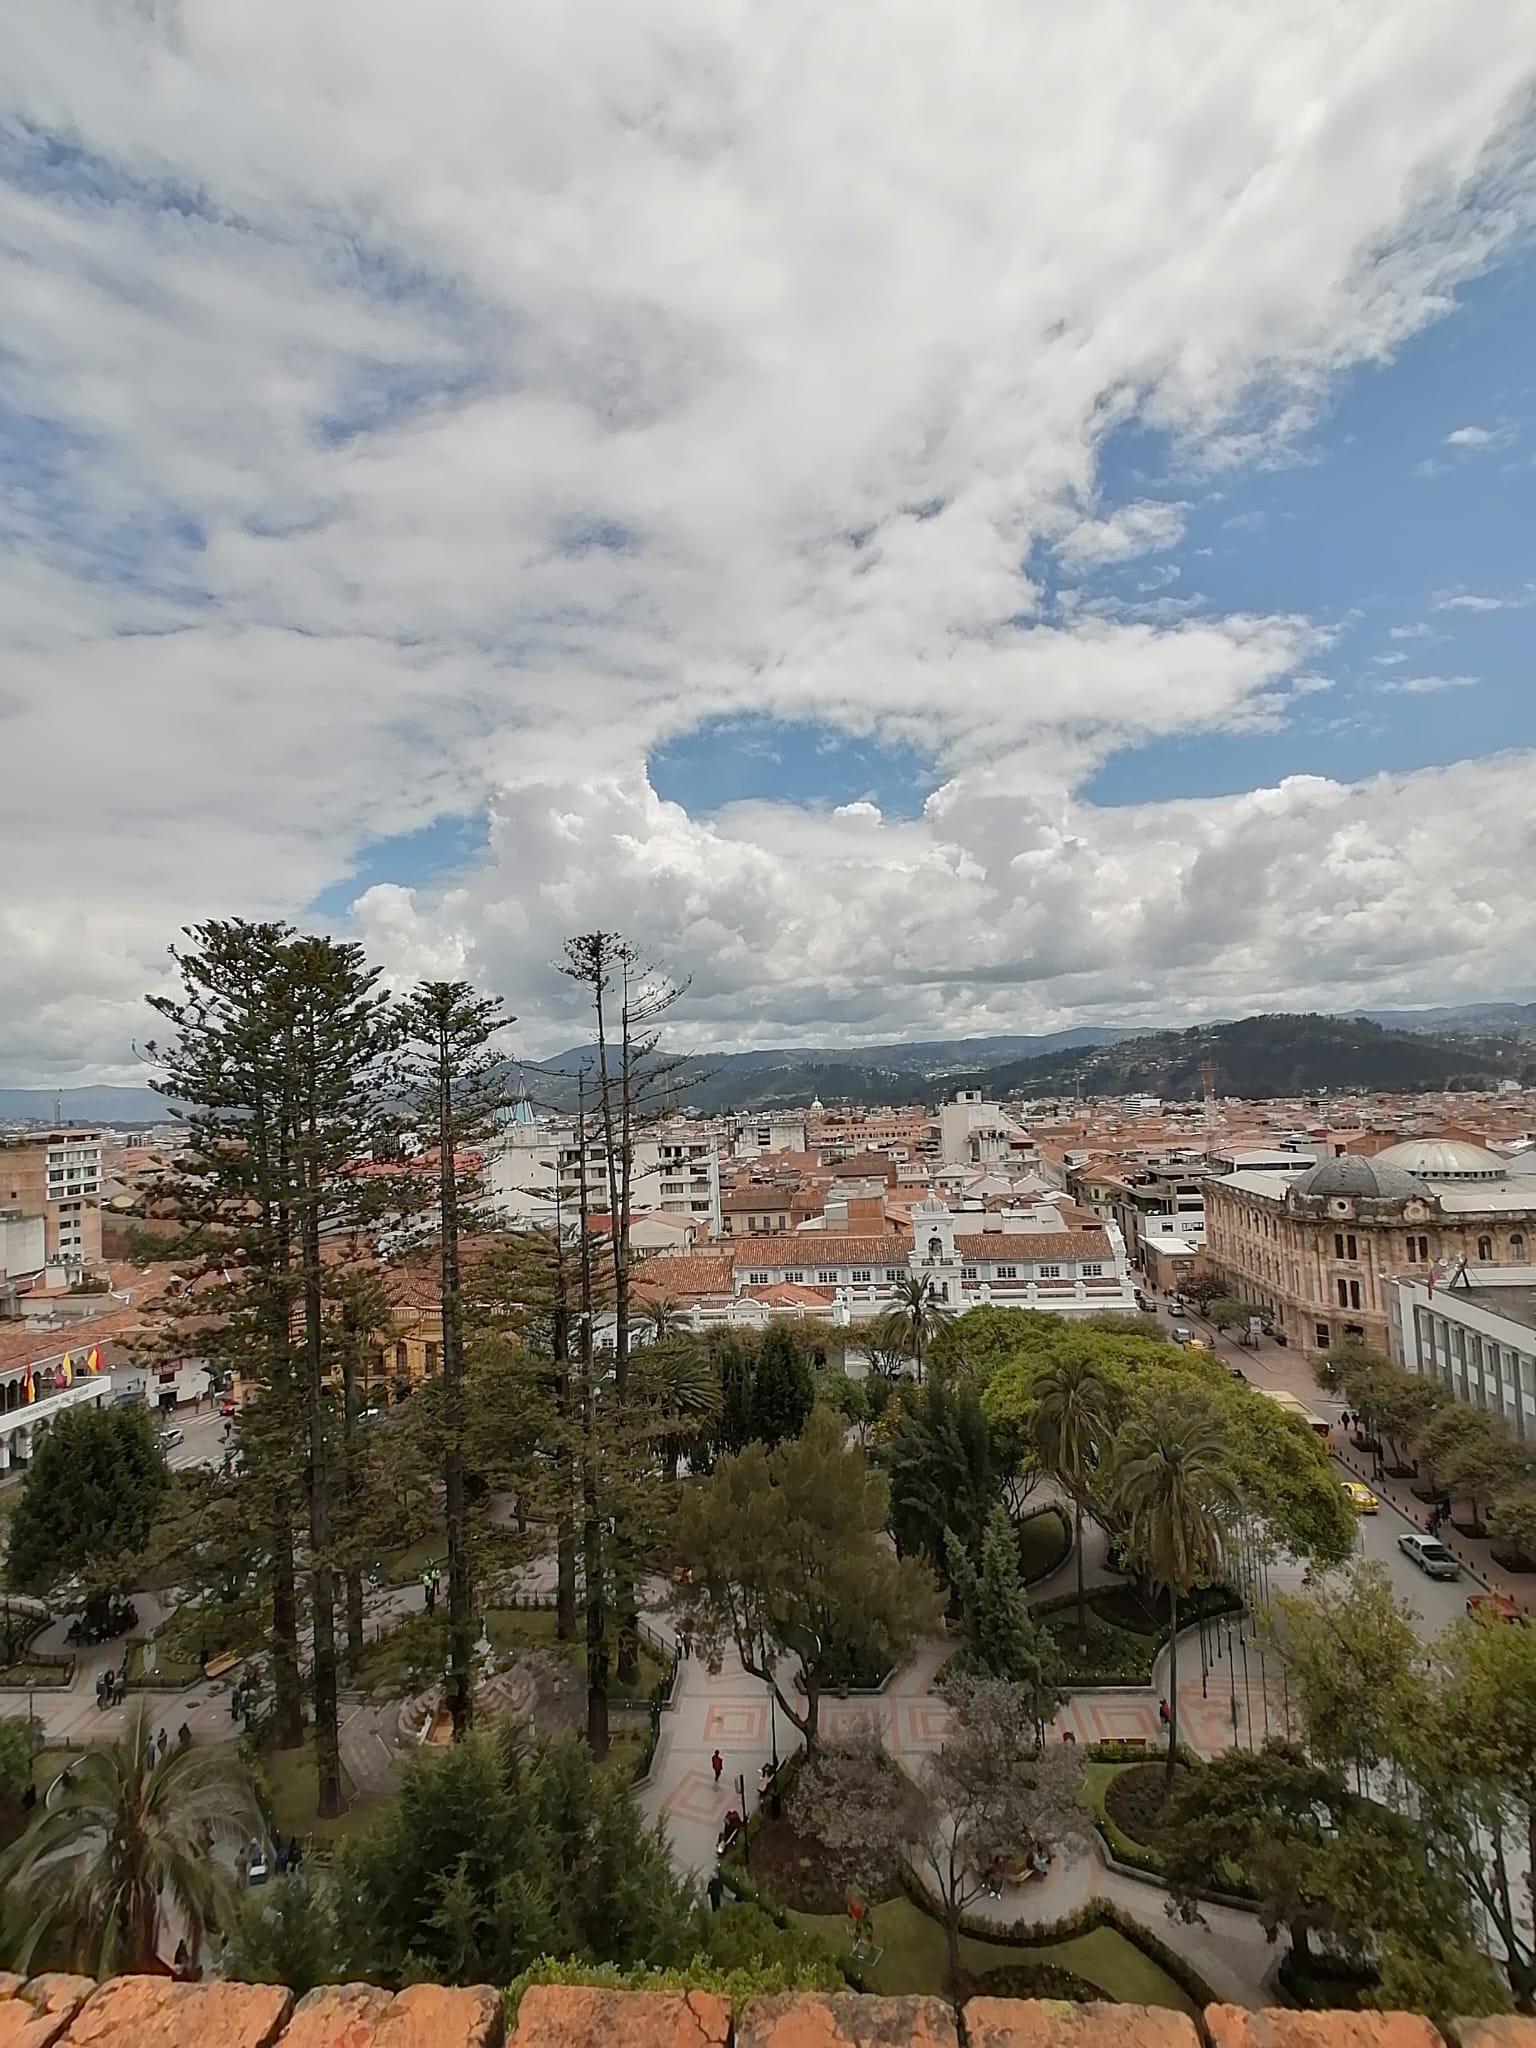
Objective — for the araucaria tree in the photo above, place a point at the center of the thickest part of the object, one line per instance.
(452, 1065)
(786, 1557)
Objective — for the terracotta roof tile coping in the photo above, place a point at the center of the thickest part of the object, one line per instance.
(155, 2012)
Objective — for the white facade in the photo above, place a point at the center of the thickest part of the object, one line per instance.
(22, 1421)
(1479, 1349)
(23, 1246)
(975, 1132)
(533, 1170)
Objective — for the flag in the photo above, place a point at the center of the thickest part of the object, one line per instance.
(66, 1372)
(29, 1385)
(1431, 1283)
(93, 1360)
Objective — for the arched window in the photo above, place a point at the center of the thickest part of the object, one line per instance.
(1485, 1249)
(935, 1248)
(1517, 1246)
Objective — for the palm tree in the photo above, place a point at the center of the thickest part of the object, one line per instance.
(887, 1344)
(918, 1304)
(124, 1842)
(661, 1319)
(1070, 1427)
(1172, 1488)
(679, 1383)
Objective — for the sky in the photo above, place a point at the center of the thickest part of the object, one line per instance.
(934, 520)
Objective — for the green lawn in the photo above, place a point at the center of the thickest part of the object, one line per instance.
(916, 1959)
(290, 1781)
(404, 1567)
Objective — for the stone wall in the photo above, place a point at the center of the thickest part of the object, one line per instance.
(150, 2012)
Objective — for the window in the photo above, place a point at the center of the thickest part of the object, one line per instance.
(1344, 1246)
(1321, 1332)
(894, 1273)
(1007, 1272)
(862, 1275)
(1349, 1293)
(1050, 1272)
(757, 1279)
(967, 1272)
(1485, 1249)
(402, 1359)
(826, 1279)
(431, 1358)
(1418, 1250)
(1091, 1272)
(795, 1279)
(1517, 1246)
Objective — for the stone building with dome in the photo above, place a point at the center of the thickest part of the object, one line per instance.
(1318, 1252)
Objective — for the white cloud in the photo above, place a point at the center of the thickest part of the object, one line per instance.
(1475, 439)
(1387, 660)
(435, 412)
(1311, 686)
(1139, 529)
(1426, 686)
(1484, 601)
(1418, 632)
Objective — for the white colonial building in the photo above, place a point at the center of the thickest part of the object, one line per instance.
(846, 1279)
(57, 1381)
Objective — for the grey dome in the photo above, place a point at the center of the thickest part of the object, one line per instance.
(1445, 1159)
(1349, 1174)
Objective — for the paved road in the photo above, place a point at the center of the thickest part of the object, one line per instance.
(202, 1439)
(1434, 1602)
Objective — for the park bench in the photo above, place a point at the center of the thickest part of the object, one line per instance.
(219, 1667)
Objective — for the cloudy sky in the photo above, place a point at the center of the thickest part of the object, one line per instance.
(937, 518)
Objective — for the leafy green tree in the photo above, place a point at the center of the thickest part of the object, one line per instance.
(1326, 1865)
(1352, 1652)
(786, 1555)
(502, 1851)
(95, 1878)
(1512, 1513)
(938, 1458)
(1172, 1488)
(1070, 1426)
(285, 1934)
(987, 1338)
(1004, 1638)
(1472, 1453)
(735, 1356)
(1469, 1747)
(87, 1505)
(783, 1392)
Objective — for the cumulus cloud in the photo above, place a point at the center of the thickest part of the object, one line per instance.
(433, 414)
(1138, 529)
(1475, 439)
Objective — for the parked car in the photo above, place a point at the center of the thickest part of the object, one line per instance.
(1361, 1498)
(1182, 1334)
(1493, 1607)
(168, 1439)
(1430, 1555)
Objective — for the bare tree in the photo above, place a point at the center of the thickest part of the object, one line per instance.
(991, 1794)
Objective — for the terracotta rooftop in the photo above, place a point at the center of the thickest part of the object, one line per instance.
(152, 2012)
(986, 1247)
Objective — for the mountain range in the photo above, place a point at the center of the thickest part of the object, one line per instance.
(1471, 1045)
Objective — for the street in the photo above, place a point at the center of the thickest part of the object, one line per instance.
(202, 1438)
(1434, 1601)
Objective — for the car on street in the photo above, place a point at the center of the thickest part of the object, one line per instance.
(1430, 1555)
(168, 1439)
(1493, 1607)
(1182, 1334)
(1361, 1498)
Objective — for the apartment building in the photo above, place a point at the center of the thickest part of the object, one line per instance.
(533, 1174)
(57, 1175)
(1475, 1334)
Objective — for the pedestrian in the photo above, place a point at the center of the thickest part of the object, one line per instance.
(1163, 1714)
(234, 1703)
(183, 1737)
(295, 1857)
(716, 1893)
(1069, 1740)
(717, 1765)
(149, 1757)
(162, 1743)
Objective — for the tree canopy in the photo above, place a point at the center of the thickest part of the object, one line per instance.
(87, 1503)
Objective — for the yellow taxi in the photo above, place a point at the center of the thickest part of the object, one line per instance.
(1361, 1498)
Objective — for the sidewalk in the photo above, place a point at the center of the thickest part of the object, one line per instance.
(1473, 1553)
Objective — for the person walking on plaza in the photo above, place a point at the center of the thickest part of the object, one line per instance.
(717, 1765)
